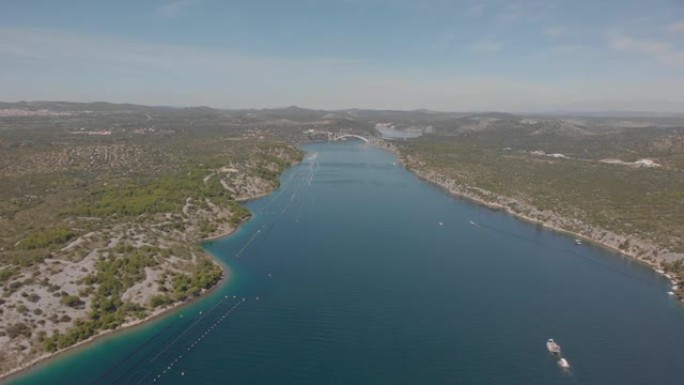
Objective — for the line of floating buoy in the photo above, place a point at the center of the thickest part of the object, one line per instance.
(199, 339)
(289, 203)
(239, 253)
(130, 356)
(211, 310)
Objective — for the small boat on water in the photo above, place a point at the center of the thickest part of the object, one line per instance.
(578, 242)
(553, 347)
(563, 363)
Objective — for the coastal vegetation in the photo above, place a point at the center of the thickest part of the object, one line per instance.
(618, 183)
(101, 213)
(102, 206)
(45, 238)
(634, 201)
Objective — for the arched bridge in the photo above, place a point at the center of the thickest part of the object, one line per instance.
(345, 136)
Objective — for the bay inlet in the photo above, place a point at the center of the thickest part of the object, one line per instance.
(357, 272)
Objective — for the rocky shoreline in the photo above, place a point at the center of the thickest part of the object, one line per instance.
(641, 250)
(158, 313)
(155, 314)
(144, 290)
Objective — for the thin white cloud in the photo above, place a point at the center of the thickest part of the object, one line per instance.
(486, 46)
(511, 15)
(487, 93)
(56, 64)
(515, 11)
(59, 65)
(658, 50)
(475, 10)
(556, 31)
(67, 47)
(677, 27)
(569, 48)
(176, 8)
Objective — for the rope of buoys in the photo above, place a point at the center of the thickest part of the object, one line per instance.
(174, 361)
(192, 324)
(132, 353)
(189, 328)
(249, 242)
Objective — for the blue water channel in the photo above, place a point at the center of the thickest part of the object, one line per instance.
(357, 272)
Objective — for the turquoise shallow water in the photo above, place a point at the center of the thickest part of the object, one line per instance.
(356, 272)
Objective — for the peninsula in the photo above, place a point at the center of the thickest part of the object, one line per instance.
(103, 206)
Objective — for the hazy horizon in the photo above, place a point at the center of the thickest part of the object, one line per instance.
(569, 112)
(525, 56)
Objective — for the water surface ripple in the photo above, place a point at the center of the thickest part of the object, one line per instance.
(356, 272)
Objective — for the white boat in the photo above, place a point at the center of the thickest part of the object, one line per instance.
(578, 242)
(670, 293)
(563, 363)
(553, 347)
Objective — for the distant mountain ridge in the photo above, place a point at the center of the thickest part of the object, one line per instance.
(297, 111)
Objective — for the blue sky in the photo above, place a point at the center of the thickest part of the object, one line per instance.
(525, 55)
